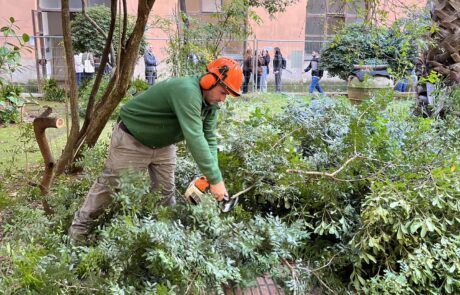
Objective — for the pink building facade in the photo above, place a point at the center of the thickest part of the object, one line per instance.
(304, 26)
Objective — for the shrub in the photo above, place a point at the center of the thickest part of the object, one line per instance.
(136, 87)
(9, 114)
(52, 91)
(356, 199)
(85, 38)
(362, 43)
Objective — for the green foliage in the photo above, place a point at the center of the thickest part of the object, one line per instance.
(10, 56)
(84, 92)
(272, 6)
(222, 28)
(362, 43)
(9, 115)
(361, 217)
(361, 199)
(52, 91)
(11, 95)
(10, 102)
(10, 52)
(182, 249)
(85, 38)
(138, 85)
(230, 24)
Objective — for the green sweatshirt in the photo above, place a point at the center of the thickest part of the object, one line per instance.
(174, 110)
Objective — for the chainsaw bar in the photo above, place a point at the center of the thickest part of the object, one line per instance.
(228, 204)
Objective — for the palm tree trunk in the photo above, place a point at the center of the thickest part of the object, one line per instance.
(445, 58)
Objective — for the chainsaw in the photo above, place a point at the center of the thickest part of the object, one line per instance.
(200, 186)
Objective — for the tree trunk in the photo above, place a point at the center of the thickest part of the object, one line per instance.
(92, 97)
(69, 149)
(445, 58)
(127, 60)
(116, 90)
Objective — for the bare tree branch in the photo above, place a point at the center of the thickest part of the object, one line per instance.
(84, 5)
(319, 173)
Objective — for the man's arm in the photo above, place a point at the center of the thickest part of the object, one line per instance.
(210, 129)
(188, 112)
(308, 68)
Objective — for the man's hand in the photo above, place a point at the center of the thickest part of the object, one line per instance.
(218, 190)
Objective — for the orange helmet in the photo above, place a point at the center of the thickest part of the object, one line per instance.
(226, 72)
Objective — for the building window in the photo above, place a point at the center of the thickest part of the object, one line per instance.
(211, 5)
(73, 4)
(325, 17)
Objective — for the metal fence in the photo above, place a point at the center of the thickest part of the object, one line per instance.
(48, 62)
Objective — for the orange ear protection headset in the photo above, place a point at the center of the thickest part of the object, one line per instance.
(225, 72)
(209, 80)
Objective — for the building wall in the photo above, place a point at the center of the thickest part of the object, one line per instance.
(21, 11)
(285, 30)
(288, 25)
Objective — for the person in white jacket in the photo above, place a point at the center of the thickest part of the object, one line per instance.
(88, 65)
(79, 67)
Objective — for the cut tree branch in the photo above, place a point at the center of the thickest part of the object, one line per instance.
(41, 123)
(319, 173)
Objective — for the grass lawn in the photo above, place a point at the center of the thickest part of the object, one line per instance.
(19, 150)
(18, 147)
(271, 102)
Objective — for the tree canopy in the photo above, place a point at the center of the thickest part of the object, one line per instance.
(85, 37)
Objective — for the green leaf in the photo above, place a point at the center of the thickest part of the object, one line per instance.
(424, 231)
(25, 37)
(371, 257)
(429, 225)
(13, 99)
(400, 234)
(394, 204)
(415, 226)
(12, 20)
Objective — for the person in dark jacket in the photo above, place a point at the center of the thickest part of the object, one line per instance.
(150, 66)
(247, 69)
(278, 68)
(316, 73)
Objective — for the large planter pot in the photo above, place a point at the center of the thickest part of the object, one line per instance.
(359, 91)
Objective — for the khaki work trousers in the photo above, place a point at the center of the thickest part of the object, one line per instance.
(126, 152)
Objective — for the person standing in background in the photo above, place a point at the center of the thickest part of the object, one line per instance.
(150, 66)
(247, 69)
(316, 73)
(79, 68)
(88, 64)
(265, 71)
(258, 74)
(278, 68)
